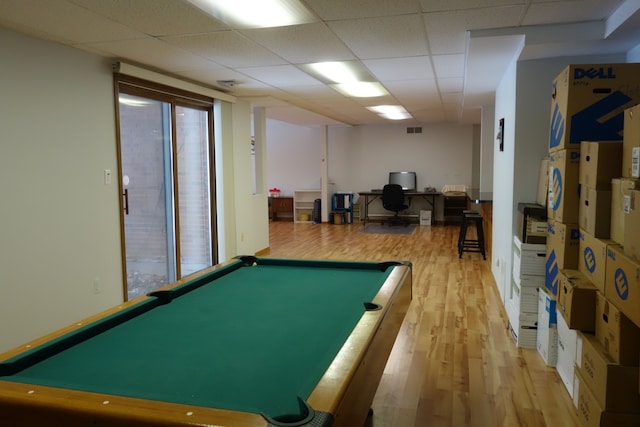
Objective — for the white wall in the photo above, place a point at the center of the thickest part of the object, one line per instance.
(59, 222)
(60, 227)
(503, 172)
(634, 54)
(487, 145)
(293, 157)
(250, 210)
(360, 158)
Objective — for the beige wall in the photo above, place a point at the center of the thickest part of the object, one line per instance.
(60, 249)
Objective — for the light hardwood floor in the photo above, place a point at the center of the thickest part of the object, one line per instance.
(454, 362)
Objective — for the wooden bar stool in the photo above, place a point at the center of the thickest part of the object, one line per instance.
(463, 227)
(471, 245)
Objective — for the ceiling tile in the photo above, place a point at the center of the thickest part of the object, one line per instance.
(302, 44)
(455, 5)
(65, 23)
(569, 11)
(155, 53)
(429, 116)
(340, 9)
(155, 17)
(432, 56)
(451, 85)
(280, 75)
(449, 65)
(387, 37)
(228, 48)
(447, 31)
(408, 68)
(300, 116)
(420, 88)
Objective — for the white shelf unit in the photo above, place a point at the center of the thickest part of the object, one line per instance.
(303, 204)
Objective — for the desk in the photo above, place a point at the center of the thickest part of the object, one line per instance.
(370, 196)
(235, 341)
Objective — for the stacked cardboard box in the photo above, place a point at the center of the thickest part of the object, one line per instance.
(547, 340)
(600, 162)
(527, 277)
(575, 305)
(593, 237)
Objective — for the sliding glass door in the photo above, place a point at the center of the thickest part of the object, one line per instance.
(165, 161)
(194, 191)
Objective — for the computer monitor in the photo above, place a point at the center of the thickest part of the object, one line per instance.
(407, 180)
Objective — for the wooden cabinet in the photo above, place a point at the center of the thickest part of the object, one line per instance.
(281, 208)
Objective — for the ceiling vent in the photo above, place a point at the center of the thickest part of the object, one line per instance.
(227, 84)
(415, 130)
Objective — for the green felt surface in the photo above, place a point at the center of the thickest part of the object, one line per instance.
(250, 341)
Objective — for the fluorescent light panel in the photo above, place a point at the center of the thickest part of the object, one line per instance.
(337, 72)
(360, 89)
(391, 112)
(257, 13)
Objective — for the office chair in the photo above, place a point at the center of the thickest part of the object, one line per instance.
(393, 200)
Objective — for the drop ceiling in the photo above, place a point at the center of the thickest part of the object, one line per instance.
(440, 59)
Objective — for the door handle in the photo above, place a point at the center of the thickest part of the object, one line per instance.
(126, 201)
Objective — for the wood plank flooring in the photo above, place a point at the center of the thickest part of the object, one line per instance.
(454, 362)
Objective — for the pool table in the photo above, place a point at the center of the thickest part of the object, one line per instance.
(251, 342)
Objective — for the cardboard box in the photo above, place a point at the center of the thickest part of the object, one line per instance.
(528, 258)
(600, 162)
(532, 223)
(576, 301)
(631, 242)
(620, 188)
(631, 143)
(563, 247)
(594, 214)
(543, 183)
(564, 189)
(588, 103)
(591, 414)
(619, 336)
(622, 282)
(547, 338)
(563, 244)
(567, 342)
(592, 258)
(614, 386)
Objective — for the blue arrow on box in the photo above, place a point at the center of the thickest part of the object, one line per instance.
(586, 125)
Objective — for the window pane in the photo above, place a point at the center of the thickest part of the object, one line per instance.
(192, 143)
(145, 144)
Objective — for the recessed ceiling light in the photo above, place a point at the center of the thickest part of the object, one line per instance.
(361, 89)
(257, 13)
